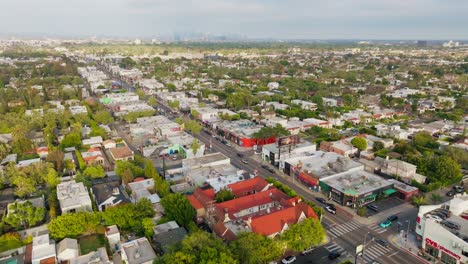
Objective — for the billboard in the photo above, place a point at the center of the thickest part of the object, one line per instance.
(289, 140)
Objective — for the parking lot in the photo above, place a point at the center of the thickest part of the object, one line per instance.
(385, 204)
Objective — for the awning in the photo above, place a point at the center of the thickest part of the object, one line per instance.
(351, 192)
(308, 179)
(389, 191)
(370, 197)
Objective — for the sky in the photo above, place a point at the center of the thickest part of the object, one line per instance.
(277, 19)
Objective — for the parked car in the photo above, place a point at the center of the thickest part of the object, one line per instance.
(264, 166)
(321, 200)
(392, 218)
(458, 189)
(271, 170)
(244, 161)
(381, 242)
(436, 218)
(288, 260)
(451, 193)
(442, 211)
(307, 251)
(386, 224)
(439, 214)
(451, 224)
(240, 155)
(228, 144)
(331, 208)
(373, 207)
(334, 255)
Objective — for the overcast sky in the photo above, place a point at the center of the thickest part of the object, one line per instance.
(282, 19)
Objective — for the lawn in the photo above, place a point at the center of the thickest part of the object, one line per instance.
(91, 243)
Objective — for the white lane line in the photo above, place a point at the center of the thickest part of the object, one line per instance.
(358, 225)
(371, 253)
(382, 231)
(381, 247)
(394, 253)
(333, 231)
(332, 234)
(332, 246)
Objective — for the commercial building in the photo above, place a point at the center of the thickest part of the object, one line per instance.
(273, 153)
(447, 245)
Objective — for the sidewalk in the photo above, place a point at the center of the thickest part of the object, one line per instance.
(409, 245)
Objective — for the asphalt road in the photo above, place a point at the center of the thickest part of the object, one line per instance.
(344, 232)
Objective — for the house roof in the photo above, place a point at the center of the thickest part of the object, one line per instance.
(223, 232)
(253, 185)
(121, 152)
(273, 223)
(236, 205)
(201, 197)
(67, 243)
(169, 238)
(104, 191)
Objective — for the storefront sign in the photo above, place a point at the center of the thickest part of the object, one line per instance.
(436, 245)
(336, 191)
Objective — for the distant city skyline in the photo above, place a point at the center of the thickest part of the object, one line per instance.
(253, 19)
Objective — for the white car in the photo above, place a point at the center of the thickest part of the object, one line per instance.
(288, 260)
(435, 218)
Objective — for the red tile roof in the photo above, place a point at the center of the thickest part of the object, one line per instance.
(249, 186)
(194, 202)
(273, 223)
(223, 232)
(201, 198)
(249, 201)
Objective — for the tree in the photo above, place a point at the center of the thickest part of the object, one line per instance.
(152, 101)
(24, 215)
(20, 142)
(103, 117)
(195, 146)
(96, 171)
(148, 225)
(5, 149)
(177, 207)
(127, 176)
(419, 200)
(424, 140)
(362, 211)
(70, 166)
(360, 143)
(252, 248)
(150, 170)
(457, 154)
(444, 169)
(303, 235)
(10, 241)
(378, 145)
(224, 195)
(52, 178)
(199, 247)
(24, 185)
(74, 224)
(436, 198)
(71, 140)
(56, 157)
(97, 131)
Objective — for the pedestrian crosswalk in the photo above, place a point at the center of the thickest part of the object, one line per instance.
(339, 230)
(376, 228)
(337, 248)
(374, 251)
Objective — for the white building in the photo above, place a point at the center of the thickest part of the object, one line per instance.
(67, 249)
(73, 197)
(305, 105)
(438, 240)
(78, 109)
(43, 248)
(138, 251)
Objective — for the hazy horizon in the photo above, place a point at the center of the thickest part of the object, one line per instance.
(254, 19)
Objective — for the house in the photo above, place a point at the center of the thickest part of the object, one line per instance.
(305, 105)
(166, 240)
(109, 194)
(42, 152)
(123, 153)
(250, 186)
(92, 142)
(67, 249)
(113, 236)
(138, 251)
(200, 200)
(109, 144)
(43, 250)
(93, 156)
(140, 189)
(401, 169)
(99, 256)
(73, 197)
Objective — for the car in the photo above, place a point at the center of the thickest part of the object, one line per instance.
(373, 207)
(174, 157)
(451, 193)
(321, 200)
(307, 251)
(436, 218)
(217, 138)
(451, 224)
(439, 214)
(240, 155)
(392, 218)
(288, 260)
(385, 224)
(244, 161)
(458, 189)
(334, 255)
(228, 144)
(271, 170)
(349, 203)
(331, 208)
(381, 242)
(444, 212)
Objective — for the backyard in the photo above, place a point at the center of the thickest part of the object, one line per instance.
(91, 243)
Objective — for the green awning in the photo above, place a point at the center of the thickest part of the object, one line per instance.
(351, 192)
(372, 196)
(389, 191)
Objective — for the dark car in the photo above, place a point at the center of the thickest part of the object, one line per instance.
(271, 170)
(458, 189)
(321, 200)
(373, 207)
(381, 242)
(451, 193)
(392, 218)
(334, 255)
(451, 225)
(240, 155)
(264, 166)
(207, 132)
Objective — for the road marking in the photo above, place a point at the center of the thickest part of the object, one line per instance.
(394, 253)
(382, 231)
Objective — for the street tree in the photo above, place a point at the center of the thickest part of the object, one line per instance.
(195, 146)
(252, 248)
(303, 235)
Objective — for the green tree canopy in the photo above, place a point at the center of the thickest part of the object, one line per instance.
(24, 215)
(360, 143)
(251, 248)
(96, 171)
(224, 195)
(177, 207)
(304, 235)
